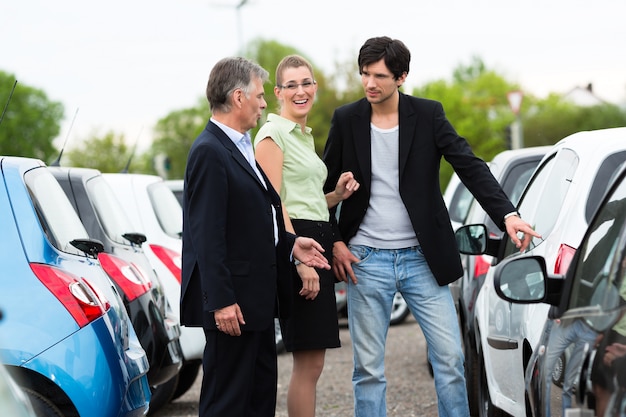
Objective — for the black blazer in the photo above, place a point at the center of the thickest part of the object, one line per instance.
(425, 137)
(228, 254)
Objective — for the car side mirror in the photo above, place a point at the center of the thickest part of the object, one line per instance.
(522, 280)
(472, 239)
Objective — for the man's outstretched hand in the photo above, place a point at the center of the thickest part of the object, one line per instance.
(309, 252)
(514, 225)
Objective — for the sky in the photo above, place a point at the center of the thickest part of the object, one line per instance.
(121, 65)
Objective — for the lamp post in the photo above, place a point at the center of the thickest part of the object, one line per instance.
(239, 27)
(517, 134)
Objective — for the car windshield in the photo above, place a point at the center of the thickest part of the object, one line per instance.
(56, 214)
(599, 287)
(167, 209)
(109, 210)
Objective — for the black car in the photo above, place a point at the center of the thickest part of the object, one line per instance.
(588, 315)
(157, 328)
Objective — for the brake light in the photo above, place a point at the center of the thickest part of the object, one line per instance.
(127, 276)
(563, 259)
(77, 295)
(170, 258)
(481, 266)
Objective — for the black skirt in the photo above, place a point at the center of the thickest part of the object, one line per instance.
(313, 324)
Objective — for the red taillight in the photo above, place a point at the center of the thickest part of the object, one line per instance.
(563, 259)
(78, 296)
(127, 276)
(170, 258)
(481, 266)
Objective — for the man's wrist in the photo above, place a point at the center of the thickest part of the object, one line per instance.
(511, 214)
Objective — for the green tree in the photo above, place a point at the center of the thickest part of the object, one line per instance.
(475, 102)
(31, 121)
(174, 134)
(552, 119)
(108, 153)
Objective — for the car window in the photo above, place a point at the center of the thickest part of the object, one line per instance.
(543, 198)
(56, 214)
(109, 210)
(601, 182)
(599, 281)
(513, 185)
(167, 209)
(460, 203)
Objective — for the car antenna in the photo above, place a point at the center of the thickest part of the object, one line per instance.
(58, 160)
(6, 106)
(125, 170)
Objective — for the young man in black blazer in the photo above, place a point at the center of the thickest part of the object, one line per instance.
(394, 233)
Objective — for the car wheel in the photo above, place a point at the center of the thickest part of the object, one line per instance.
(186, 377)
(42, 406)
(486, 409)
(399, 310)
(472, 374)
(162, 394)
(558, 373)
(280, 345)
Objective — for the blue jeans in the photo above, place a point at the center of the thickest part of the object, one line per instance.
(380, 274)
(562, 335)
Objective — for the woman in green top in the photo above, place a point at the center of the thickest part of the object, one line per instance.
(285, 149)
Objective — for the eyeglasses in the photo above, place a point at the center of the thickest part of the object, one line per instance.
(293, 86)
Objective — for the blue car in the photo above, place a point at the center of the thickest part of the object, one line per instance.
(66, 337)
(153, 319)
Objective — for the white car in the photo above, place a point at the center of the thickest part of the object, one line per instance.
(154, 211)
(512, 169)
(559, 201)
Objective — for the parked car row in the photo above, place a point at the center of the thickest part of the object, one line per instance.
(66, 337)
(539, 316)
(91, 291)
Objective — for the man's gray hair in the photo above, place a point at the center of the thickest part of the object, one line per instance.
(228, 75)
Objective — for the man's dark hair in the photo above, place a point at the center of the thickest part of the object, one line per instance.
(394, 52)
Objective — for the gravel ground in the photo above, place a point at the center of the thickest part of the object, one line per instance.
(410, 388)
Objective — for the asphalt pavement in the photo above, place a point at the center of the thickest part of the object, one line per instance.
(410, 388)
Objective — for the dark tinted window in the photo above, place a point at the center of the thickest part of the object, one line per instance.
(599, 285)
(601, 182)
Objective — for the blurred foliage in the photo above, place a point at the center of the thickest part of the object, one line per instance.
(30, 121)
(174, 134)
(550, 120)
(474, 99)
(108, 153)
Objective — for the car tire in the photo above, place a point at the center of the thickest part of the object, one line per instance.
(399, 310)
(186, 377)
(486, 408)
(42, 406)
(472, 374)
(162, 394)
(558, 373)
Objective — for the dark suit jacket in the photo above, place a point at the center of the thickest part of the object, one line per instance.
(229, 255)
(425, 137)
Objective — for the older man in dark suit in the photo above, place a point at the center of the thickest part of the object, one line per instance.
(236, 252)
